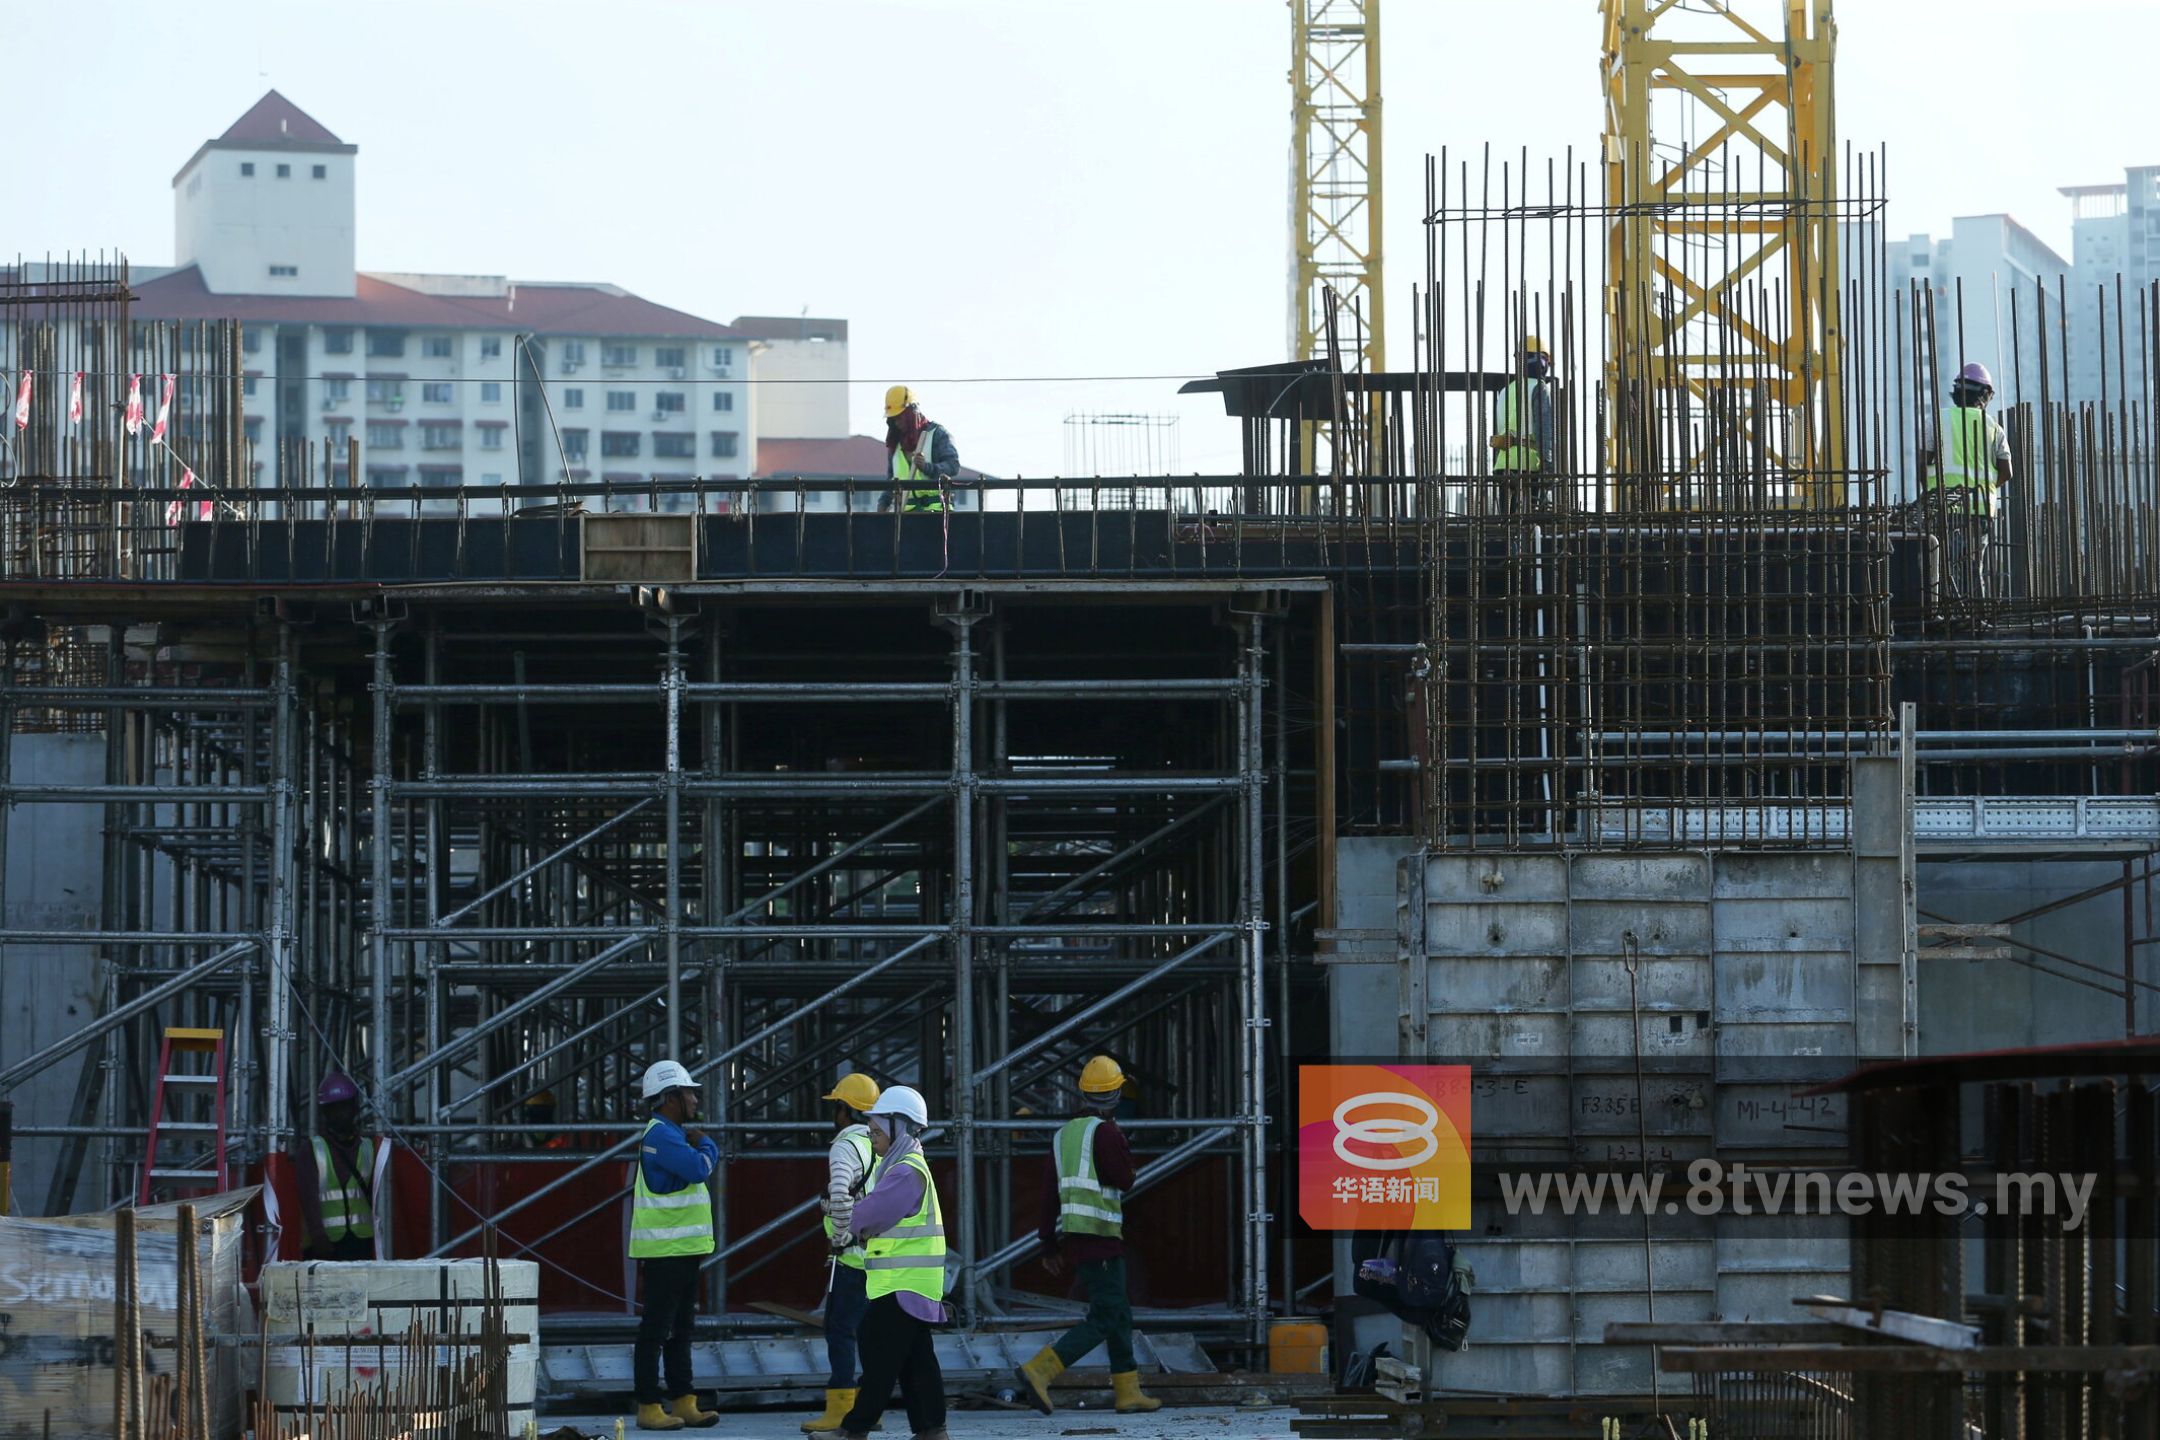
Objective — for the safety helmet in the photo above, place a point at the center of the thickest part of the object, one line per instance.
(857, 1092)
(335, 1089)
(1101, 1076)
(902, 1100)
(1531, 345)
(1974, 377)
(665, 1075)
(538, 1098)
(897, 399)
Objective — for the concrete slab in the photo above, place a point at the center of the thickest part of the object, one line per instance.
(1194, 1422)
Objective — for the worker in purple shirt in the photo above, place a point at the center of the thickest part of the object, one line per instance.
(901, 1225)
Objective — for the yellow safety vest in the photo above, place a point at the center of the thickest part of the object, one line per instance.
(905, 472)
(1514, 423)
(911, 1255)
(677, 1222)
(1086, 1206)
(859, 1137)
(1966, 459)
(347, 1206)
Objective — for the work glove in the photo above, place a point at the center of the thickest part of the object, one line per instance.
(841, 1240)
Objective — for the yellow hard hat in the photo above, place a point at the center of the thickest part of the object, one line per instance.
(1531, 345)
(857, 1092)
(1101, 1076)
(897, 399)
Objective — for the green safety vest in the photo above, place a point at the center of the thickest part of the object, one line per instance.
(859, 1137)
(347, 1208)
(1086, 1206)
(678, 1222)
(1967, 454)
(1514, 421)
(911, 1255)
(904, 472)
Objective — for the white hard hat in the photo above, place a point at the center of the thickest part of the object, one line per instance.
(665, 1075)
(902, 1100)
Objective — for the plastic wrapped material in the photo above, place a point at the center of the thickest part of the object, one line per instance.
(379, 1301)
(58, 1278)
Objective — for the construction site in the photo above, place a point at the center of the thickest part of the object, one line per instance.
(1716, 791)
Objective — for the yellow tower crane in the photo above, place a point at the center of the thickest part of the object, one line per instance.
(1335, 210)
(1722, 271)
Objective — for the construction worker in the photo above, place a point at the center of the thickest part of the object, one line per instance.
(920, 451)
(901, 1225)
(847, 1170)
(1083, 1226)
(339, 1170)
(1522, 433)
(1961, 479)
(539, 1108)
(671, 1233)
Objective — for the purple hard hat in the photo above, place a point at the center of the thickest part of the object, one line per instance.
(1976, 374)
(336, 1088)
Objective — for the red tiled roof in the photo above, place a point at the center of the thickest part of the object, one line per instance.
(275, 118)
(858, 457)
(534, 309)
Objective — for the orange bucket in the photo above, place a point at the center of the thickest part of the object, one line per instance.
(1297, 1347)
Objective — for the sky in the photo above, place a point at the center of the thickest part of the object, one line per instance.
(997, 195)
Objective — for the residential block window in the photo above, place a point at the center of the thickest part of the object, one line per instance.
(491, 348)
(435, 392)
(723, 401)
(385, 477)
(322, 172)
(251, 341)
(438, 437)
(253, 427)
(669, 402)
(573, 444)
(723, 444)
(436, 347)
(668, 357)
(386, 342)
(674, 447)
(723, 356)
(622, 400)
(338, 433)
(573, 352)
(491, 393)
(339, 390)
(618, 442)
(386, 392)
(284, 172)
(337, 342)
(386, 437)
(247, 385)
(491, 438)
(287, 271)
(618, 354)
(573, 399)
(247, 167)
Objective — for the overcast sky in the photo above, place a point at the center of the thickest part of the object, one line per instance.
(984, 189)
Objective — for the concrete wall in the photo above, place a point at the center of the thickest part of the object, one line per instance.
(236, 225)
(53, 883)
(2002, 1004)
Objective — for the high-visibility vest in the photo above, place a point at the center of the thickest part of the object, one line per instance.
(1086, 1206)
(1966, 458)
(911, 1255)
(347, 1207)
(905, 471)
(859, 1137)
(677, 1222)
(1515, 422)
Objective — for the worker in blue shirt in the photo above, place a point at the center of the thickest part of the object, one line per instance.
(671, 1233)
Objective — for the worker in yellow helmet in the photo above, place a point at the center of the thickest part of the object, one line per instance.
(1083, 1225)
(920, 454)
(847, 1171)
(1522, 432)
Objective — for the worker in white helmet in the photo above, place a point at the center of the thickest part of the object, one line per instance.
(902, 1228)
(671, 1233)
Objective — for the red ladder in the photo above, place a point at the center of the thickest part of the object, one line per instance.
(170, 1121)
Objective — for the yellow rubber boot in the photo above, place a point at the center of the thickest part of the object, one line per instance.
(837, 1405)
(686, 1410)
(657, 1417)
(1035, 1378)
(1126, 1389)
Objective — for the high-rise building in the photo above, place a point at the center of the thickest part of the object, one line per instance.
(2115, 241)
